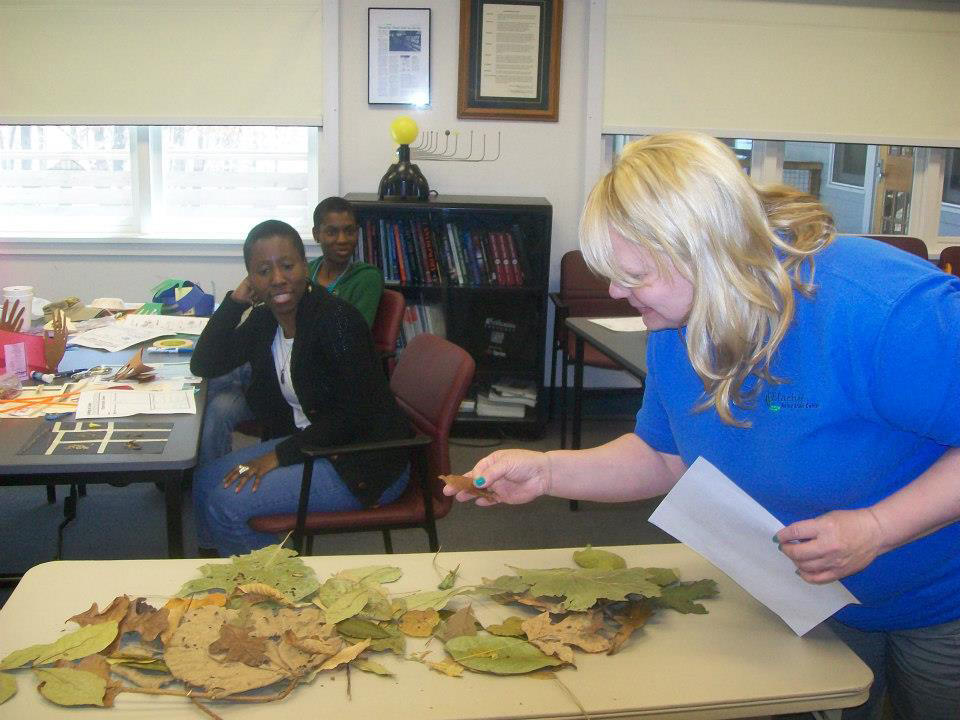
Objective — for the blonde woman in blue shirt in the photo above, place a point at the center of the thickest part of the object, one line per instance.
(820, 373)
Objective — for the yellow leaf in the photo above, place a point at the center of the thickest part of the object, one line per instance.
(259, 591)
(447, 667)
(418, 623)
(346, 655)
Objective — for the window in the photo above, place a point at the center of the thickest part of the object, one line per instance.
(173, 181)
(849, 164)
(951, 178)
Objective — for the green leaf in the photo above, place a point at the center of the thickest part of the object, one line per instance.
(8, 687)
(155, 665)
(66, 686)
(504, 584)
(19, 658)
(499, 655)
(372, 573)
(431, 599)
(273, 565)
(371, 666)
(591, 557)
(582, 587)
(384, 637)
(347, 605)
(662, 576)
(449, 581)
(509, 627)
(80, 643)
(680, 597)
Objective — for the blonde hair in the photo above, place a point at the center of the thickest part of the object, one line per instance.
(684, 197)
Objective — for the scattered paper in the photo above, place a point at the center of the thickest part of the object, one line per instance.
(630, 323)
(116, 337)
(122, 403)
(169, 323)
(708, 512)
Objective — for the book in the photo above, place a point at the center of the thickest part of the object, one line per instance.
(514, 260)
(468, 405)
(494, 396)
(491, 408)
(517, 388)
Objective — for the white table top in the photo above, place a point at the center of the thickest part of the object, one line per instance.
(740, 660)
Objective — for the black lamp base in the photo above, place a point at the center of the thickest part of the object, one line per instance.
(403, 180)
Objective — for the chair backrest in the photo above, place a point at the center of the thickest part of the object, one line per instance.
(912, 245)
(585, 293)
(386, 325)
(432, 376)
(950, 260)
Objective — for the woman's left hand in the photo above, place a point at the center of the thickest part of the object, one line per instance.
(832, 546)
(251, 470)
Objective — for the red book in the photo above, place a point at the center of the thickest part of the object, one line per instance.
(507, 268)
(434, 274)
(398, 244)
(514, 259)
(494, 251)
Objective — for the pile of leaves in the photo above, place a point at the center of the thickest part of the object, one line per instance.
(273, 625)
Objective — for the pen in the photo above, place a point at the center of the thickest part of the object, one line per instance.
(172, 350)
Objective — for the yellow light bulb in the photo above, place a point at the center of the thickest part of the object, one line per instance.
(403, 130)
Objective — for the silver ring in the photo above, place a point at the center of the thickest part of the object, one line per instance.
(243, 469)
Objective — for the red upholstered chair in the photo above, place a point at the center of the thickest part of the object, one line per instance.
(386, 327)
(912, 245)
(950, 260)
(430, 379)
(581, 294)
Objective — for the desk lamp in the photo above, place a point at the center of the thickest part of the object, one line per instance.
(403, 180)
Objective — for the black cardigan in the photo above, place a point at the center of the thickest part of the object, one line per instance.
(337, 377)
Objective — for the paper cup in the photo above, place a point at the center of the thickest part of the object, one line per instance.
(23, 293)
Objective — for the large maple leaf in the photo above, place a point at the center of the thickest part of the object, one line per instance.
(580, 588)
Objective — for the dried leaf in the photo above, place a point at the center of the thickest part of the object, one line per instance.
(80, 643)
(236, 643)
(662, 576)
(372, 573)
(189, 660)
(116, 611)
(580, 629)
(305, 622)
(154, 665)
(273, 565)
(315, 646)
(680, 596)
(582, 587)
(557, 649)
(176, 607)
(144, 619)
(346, 655)
(8, 687)
(382, 637)
(499, 655)
(371, 666)
(462, 622)
(346, 605)
(436, 599)
(504, 584)
(464, 484)
(591, 557)
(142, 679)
(450, 580)
(258, 592)
(21, 657)
(635, 617)
(67, 686)
(447, 667)
(137, 652)
(510, 627)
(98, 665)
(418, 623)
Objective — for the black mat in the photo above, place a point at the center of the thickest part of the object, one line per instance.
(87, 437)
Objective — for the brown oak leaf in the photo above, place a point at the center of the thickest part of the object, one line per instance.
(177, 606)
(635, 617)
(463, 483)
(144, 619)
(239, 646)
(116, 611)
(580, 629)
(462, 622)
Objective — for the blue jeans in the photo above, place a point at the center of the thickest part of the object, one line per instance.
(919, 670)
(221, 513)
(226, 407)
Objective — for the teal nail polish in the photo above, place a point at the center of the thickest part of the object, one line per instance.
(479, 481)
(776, 539)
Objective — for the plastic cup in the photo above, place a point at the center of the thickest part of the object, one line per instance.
(23, 293)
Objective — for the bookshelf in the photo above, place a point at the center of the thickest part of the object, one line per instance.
(474, 269)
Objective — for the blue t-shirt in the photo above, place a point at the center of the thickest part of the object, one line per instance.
(871, 400)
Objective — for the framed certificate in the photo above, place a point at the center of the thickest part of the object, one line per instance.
(398, 56)
(509, 59)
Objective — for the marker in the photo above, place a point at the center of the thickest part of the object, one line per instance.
(172, 350)
(45, 378)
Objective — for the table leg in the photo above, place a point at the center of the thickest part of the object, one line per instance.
(577, 393)
(827, 714)
(173, 495)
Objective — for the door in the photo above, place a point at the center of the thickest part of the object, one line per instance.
(893, 183)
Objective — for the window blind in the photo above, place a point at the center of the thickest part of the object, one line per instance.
(866, 72)
(161, 62)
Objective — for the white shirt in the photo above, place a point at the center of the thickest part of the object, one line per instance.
(282, 352)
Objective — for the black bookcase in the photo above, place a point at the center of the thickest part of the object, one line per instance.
(490, 298)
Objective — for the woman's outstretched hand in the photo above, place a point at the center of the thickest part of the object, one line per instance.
(253, 470)
(834, 545)
(514, 476)
(244, 292)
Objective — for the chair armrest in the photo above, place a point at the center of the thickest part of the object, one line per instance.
(557, 300)
(419, 440)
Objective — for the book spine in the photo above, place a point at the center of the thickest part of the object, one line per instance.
(419, 251)
(455, 251)
(496, 278)
(448, 256)
(431, 253)
(476, 239)
(514, 260)
(468, 258)
(398, 253)
(505, 268)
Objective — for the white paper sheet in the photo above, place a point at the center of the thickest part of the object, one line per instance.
(169, 323)
(630, 323)
(708, 512)
(116, 337)
(123, 403)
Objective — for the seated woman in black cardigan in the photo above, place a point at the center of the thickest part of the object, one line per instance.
(316, 380)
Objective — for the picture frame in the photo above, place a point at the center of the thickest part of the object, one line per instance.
(398, 56)
(523, 86)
